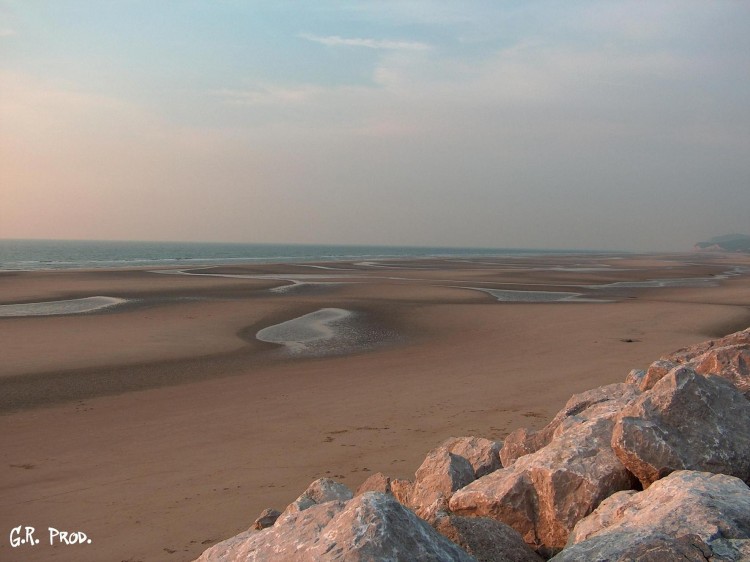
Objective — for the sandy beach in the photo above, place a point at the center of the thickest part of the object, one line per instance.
(161, 424)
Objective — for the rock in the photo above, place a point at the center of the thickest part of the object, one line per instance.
(687, 354)
(635, 377)
(437, 509)
(655, 372)
(731, 363)
(441, 474)
(378, 482)
(684, 516)
(654, 547)
(601, 401)
(544, 494)
(686, 421)
(373, 526)
(486, 539)
(482, 454)
(266, 518)
(401, 490)
(728, 358)
(522, 442)
(321, 491)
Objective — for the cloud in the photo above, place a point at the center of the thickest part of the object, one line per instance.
(336, 41)
(269, 95)
(6, 32)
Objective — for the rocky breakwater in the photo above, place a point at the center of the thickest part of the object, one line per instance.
(656, 468)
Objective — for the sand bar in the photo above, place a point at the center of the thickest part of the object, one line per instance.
(299, 333)
(52, 308)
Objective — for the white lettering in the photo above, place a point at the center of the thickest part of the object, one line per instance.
(28, 536)
(68, 537)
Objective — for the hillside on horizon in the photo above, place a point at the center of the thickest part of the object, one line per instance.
(725, 243)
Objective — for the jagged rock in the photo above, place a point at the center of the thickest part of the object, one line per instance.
(655, 372)
(544, 494)
(654, 547)
(728, 358)
(482, 454)
(601, 401)
(635, 377)
(486, 539)
(731, 363)
(402, 489)
(437, 509)
(378, 482)
(689, 353)
(441, 474)
(523, 441)
(320, 491)
(373, 526)
(266, 518)
(685, 516)
(732, 549)
(686, 421)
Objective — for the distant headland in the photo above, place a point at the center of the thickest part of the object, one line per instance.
(725, 243)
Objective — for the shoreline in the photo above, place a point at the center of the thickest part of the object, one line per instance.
(216, 426)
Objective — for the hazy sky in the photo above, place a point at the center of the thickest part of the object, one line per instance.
(605, 125)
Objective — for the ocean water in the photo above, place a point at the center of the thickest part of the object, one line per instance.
(70, 254)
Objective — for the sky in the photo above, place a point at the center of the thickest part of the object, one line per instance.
(527, 124)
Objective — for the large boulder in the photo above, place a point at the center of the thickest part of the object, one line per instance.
(586, 406)
(544, 494)
(685, 422)
(685, 516)
(320, 491)
(372, 526)
(483, 454)
(486, 539)
(441, 474)
(728, 358)
(653, 547)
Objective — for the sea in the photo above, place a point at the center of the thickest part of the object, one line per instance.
(33, 255)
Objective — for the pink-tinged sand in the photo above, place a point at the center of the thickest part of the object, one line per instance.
(226, 425)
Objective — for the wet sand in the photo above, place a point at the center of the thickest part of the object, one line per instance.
(162, 425)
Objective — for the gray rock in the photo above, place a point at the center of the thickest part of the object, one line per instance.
(441, 474)
(370, 527)
(320, 491)
(482, 454)
(686, 421)
(652, 547)
(685, 516)
(598, 402)
(486, 539)
(544, 494)
(266, 518)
